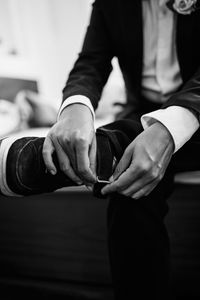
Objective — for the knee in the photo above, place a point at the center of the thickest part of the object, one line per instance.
(131, 128)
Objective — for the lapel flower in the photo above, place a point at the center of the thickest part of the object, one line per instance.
(183, 7)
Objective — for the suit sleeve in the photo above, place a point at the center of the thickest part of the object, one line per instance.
(188, 96)
(93, 66)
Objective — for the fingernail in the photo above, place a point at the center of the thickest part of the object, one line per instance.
(89, 184)
(79, 182)
(111, 179)
(53, 172)
(103, 191)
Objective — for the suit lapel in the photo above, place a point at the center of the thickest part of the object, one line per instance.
(130, 15)
(131, 44)
(187, 44)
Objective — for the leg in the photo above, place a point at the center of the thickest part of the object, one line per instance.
(137, 237)
(139, 247)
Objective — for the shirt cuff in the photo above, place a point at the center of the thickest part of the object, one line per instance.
(77, 99)
(180, 122)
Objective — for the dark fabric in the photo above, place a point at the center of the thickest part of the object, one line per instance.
(53, 246)
(138, 249)
(137, 237)
(115, 29)
(138, 241)
(104, 170)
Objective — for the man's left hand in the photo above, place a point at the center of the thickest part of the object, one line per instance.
(143, 163)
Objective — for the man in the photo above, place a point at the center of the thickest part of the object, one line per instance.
(157, 47)
(154, 70)
(158, 52)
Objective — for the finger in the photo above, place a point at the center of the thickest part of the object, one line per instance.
(47, 151)
(136, 177)
(70, 152)
(92, 155)
(123, 182)
(123, 164)
(65, 165)
(147, 182)
(83, 162)
(138, 185)
(145, 191)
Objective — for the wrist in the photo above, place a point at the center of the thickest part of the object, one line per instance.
(163, 133)
(74, 109)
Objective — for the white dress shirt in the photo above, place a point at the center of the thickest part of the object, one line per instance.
(161, 73)
(161, 70)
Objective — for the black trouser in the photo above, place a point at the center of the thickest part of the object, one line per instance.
(138, 242)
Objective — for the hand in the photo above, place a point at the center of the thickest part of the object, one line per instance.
(73, 138)
(143, 164)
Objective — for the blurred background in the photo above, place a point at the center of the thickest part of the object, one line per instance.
(39, 42)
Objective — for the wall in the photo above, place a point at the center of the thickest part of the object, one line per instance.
(48, 34)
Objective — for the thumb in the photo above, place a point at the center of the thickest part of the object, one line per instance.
(123, 164)
(48, 149)
(92, 155)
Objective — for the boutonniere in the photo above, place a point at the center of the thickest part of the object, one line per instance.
(184, 7)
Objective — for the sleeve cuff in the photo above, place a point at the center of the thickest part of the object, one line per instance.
(180, 122)
(76, 99)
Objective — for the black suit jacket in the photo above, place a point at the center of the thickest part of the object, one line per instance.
(115, 29)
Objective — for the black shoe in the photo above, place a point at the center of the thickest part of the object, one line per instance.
(23, 171)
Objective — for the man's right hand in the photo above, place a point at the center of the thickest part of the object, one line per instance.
(74, 141)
